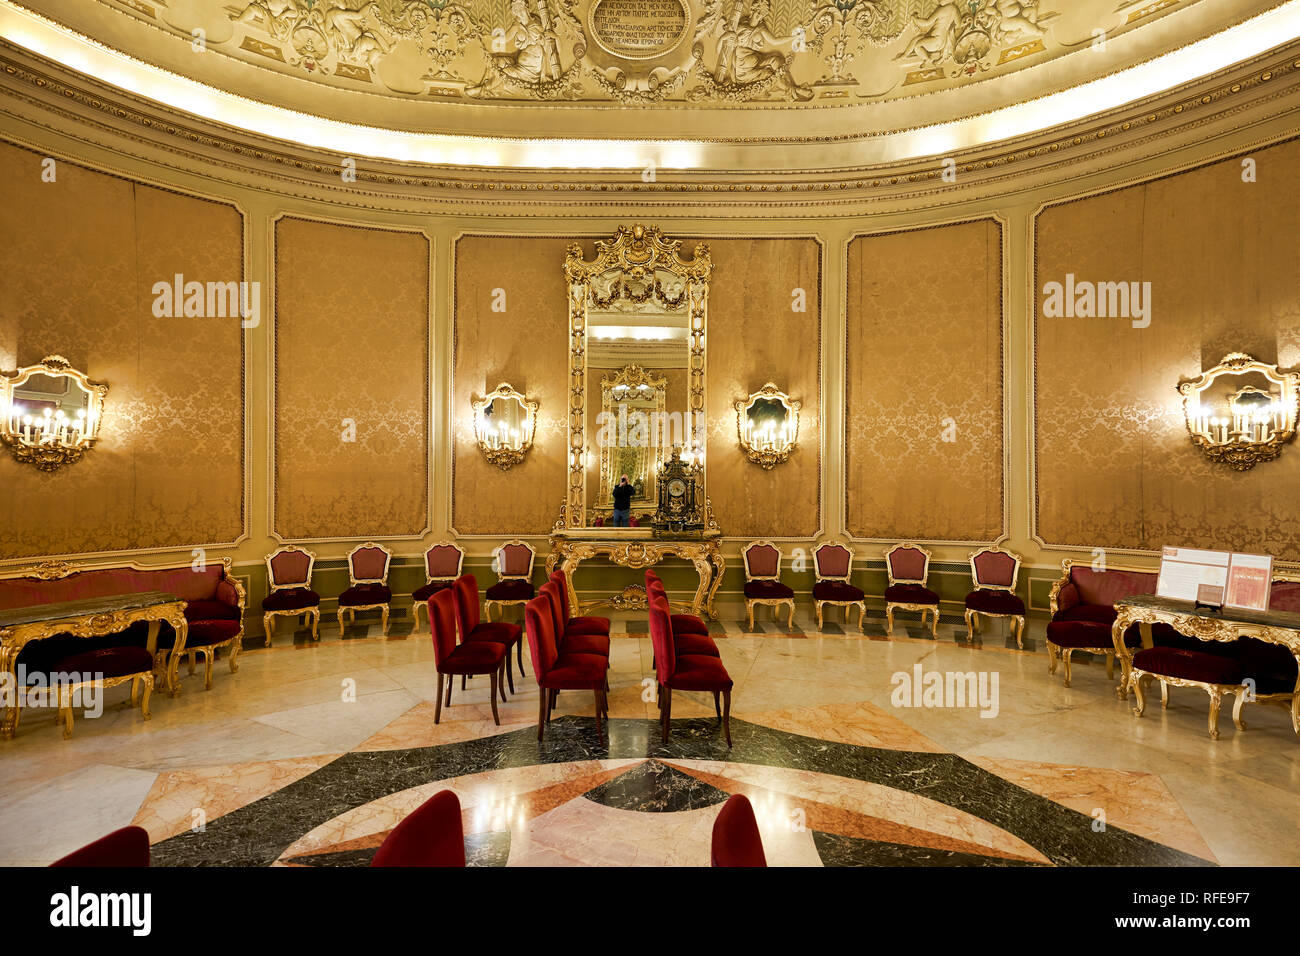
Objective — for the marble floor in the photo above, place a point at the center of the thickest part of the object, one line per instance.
(311, 753)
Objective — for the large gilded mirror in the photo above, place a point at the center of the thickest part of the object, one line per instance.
(637, 316)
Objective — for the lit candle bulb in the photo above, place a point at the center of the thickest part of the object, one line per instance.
(27, 428)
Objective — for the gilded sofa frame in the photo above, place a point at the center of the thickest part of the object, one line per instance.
(1056, 653)
(268, 617)
(972, 616)
(773, 603)
(923, 609)
(843, 579)
(384, 606)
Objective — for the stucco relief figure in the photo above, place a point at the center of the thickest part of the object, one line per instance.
(936, 36)
(1018, 20)
(276, 17)
(748, 54)
(535, 61)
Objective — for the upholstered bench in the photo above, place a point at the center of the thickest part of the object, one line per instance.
(214, 608)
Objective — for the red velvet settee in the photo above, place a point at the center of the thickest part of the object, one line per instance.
(214, 609)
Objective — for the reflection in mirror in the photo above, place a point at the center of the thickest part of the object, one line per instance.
(768, 426)
(50, 413)
(504, 421)
(1241, 412)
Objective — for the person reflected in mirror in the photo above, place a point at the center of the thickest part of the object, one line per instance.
(622, 502)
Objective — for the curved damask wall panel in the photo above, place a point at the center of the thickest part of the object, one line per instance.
(83, 251)
(352, 385)
(923, 450)
(1115, 467)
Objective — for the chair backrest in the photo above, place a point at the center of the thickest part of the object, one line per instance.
(907, 563)
(368, 563)
(466, 588)
(551, 594)
(762, 561)
(736, 840)
(558, 579)
(994, 568)
(832, 561)
(442, 623)
(443, 562)
(541, 636)
(661, 638)
(128, 846)
(432, 835)
(289, 567)
(514, 559)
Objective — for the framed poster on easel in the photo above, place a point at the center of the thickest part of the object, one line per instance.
(1250, 582)
(1216, 578)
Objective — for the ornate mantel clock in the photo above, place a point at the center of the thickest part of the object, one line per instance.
(679, 496)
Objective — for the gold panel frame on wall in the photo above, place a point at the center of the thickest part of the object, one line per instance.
(636, 251)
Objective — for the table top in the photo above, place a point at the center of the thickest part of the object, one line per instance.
(1231, 615)
(85, 607)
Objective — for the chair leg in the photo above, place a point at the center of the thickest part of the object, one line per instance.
(666, 717)
(819, 614)
(147, 680)
(340, 622)
(543, 695)
(501, 685)
(451, 679)
(862, 618)
(1236, 710)
(268, 627)
(65, 711)
(717, 706)
(315, 625)
(1216, 701)
(1065, 660)
(510, 673)
(726, 715)
(462, 676)
(934, 623)
(599, 727)
(889, 620)
(970, 626)
(1110, 665)
(1020, 632)
(1052, 653)
(384, 625)
(437, 707)
(1139, 694)
(415, 618)
(519, 652)
(750, 608)
(1164, 695)
(496, 676)
(207, 671)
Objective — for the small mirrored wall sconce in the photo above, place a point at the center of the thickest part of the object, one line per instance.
(768, 426)
(1241, 412)
(504, 423)
(50, 413)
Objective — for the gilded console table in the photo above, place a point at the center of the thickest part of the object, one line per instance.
(638, 548)
(1228, 624)
(89, 617)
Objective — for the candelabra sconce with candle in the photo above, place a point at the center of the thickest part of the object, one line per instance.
(1241, 412)
(50, 413)
(768, 426)
(504, 423)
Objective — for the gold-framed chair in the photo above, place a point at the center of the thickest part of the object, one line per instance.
(442, 566)
(833, 567)
(368, 583)
(763, 580)
(907, 567)
(994, 572)
(288, 573)
(513, 563)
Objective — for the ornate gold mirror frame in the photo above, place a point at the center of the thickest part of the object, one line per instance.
(1253, 423)
(628, 265)
(649, 392)
(767, 446)
(504, 444)
(29, 424)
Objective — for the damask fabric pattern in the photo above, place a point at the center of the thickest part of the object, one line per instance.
(1114, 463)
(352, 381)
(923, 379)
(169, 466)
(511, 324)
(764, 326)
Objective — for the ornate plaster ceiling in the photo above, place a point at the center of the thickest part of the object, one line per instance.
(904, 73)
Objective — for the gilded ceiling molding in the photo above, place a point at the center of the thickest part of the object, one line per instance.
(1251, 96)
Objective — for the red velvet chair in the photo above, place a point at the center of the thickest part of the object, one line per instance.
(698, 672)
(833, 566)
(432, 835)
(763, 580)
(368, 583)
(584, 639)
(994, 572)
(576, 624)
(473, 628)
(690, 633)
(736, 840)
(513, 563)
(556, 671)
(288, 571)
(466, 658)
(908, 569)
(128, 846)
(442, 564)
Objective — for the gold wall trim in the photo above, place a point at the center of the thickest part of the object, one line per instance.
(273, 374)
(62, 156)
(1004, 246)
